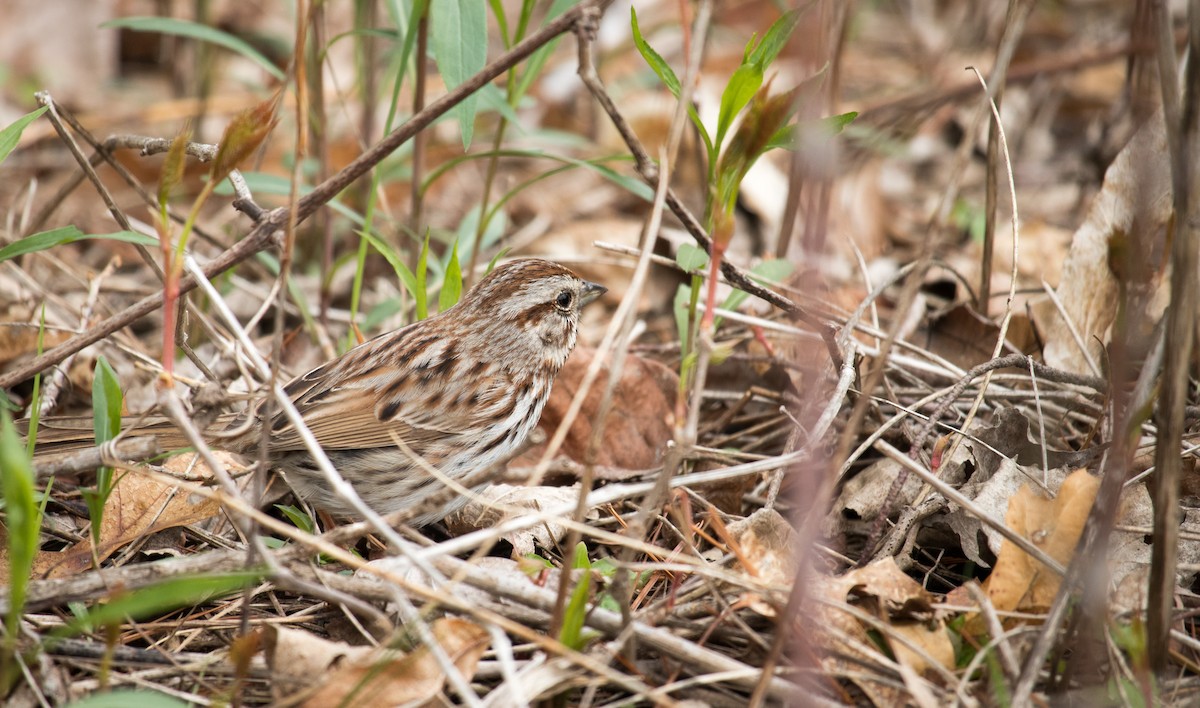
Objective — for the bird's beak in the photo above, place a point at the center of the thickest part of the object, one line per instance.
(590, 292)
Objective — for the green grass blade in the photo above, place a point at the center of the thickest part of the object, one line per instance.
(571, 633)
(153, 601)
(64, 235)
(406, 276)
(659, 65)
(458, 37)
(420, 294)
(107, 402)
(774, 40)
(11, 135)
(452, 283)
(742, 86)
(22, 519)
(667, 75)
(202, 33)
(129, 698)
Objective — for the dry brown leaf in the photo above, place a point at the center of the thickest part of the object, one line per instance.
(881, 589)
(302, 655)
(501, 502)
(639, 425)
(412, 678)
(138, 506)
(764, 544)
(966, 338)
(863, 496)
(1136, 185)
(1019, 582)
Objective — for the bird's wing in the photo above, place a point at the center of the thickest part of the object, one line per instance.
(371, 407)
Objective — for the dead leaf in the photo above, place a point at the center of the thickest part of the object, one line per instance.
(302, 655)
(138, 506)
(765, 546)
(883, 590)
(863, 496)
(1137, 184)
(966, 338)
(995, 496)
(638, 427)
(1131, 544)
(501, 502)
(1019, 582)
(413, 678)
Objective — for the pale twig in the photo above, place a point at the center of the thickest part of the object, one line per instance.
(43, 97)
(1002, 335)
(836, 400)
(88, 459)
(1070, 323)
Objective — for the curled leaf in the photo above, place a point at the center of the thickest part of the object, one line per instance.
(244, 134)
(172, 171)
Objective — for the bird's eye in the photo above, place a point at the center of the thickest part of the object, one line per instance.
(563, 300)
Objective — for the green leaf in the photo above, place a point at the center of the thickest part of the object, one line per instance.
(153, 601)
(659, 65)
(838, 123)
(742, 86)
(496, 259)
(683, 298)
(535, 62)
(492, 98)
(784, 138)
(667, 75)
(107, 401)
(571, 633)
(691, 258)
(129, 698)
(298, 518)
(23, 520)
(203, 33)
(458, 37)
(774, 40)
(406, 276)
(63, 235)
(452, 283)
(501, 21)
(11, 135)
(492, 232)
(383, 310)
(420, 294)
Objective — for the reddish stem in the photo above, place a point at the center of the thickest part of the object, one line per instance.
(710, 302)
